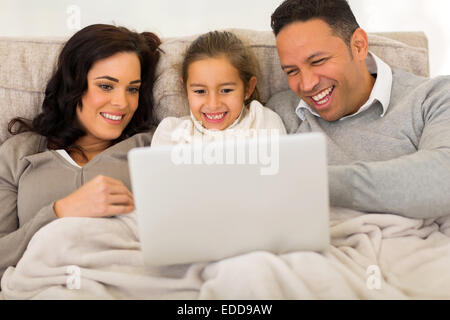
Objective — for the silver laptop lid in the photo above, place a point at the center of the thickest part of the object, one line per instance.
(268, 194)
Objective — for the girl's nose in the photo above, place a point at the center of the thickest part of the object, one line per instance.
(213, 100)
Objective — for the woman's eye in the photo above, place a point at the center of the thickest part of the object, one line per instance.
(133, 90)
(105, 87)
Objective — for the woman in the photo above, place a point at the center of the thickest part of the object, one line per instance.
(71, 159)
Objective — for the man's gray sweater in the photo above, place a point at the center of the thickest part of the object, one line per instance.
(398, 163)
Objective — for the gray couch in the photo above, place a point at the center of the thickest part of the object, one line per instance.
(26, 65)
(376, 256)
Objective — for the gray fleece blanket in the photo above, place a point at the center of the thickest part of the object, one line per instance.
(371, 256)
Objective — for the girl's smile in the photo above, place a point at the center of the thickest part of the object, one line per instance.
(214, 117)
(215, 92)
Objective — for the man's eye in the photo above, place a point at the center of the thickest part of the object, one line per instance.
(291, 72)
(318, 62)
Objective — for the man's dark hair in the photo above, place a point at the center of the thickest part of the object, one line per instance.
(336, 13)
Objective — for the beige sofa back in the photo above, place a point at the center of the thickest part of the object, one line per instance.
(26, 65)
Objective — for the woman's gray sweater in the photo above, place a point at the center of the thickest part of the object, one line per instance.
(32, 178)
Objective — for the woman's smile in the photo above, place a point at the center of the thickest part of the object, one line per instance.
(112, 117)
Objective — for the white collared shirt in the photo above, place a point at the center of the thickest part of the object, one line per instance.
(67, 157)
(381, 90)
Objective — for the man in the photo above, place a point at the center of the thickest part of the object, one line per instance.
(388, 131)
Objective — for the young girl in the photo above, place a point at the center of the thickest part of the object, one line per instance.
(219, 76)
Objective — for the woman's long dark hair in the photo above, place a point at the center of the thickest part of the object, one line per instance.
(69, 82)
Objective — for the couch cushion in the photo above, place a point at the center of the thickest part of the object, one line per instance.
(171, 99)
(26, 65)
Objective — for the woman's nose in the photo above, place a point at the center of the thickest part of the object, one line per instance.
(119, 99)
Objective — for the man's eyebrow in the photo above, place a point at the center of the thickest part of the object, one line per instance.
(311, 57)
(116, 80)
(316, 54)
(288, 67)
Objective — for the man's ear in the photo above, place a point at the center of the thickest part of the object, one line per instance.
(250, 87)
(359, 44)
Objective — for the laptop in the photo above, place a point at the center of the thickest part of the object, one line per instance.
(206, 202)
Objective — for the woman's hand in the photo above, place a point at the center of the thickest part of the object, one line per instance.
(100, 197)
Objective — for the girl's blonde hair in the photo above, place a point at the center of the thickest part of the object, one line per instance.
(215, 44)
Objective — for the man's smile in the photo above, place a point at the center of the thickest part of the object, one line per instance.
(323, 96)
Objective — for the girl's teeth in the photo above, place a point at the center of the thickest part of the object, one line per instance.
(215, 117)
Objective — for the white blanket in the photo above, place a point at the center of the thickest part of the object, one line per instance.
(372, 256)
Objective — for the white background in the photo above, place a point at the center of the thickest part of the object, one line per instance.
(168, 18)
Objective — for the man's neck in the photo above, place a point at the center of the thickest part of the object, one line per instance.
(368, 84)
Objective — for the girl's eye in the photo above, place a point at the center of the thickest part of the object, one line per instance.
(199, 91)
(226, 90)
